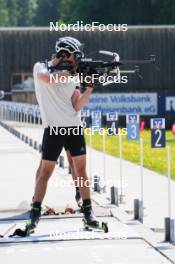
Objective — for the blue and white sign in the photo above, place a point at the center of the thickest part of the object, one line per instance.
(124, 103)
(158, 133)
(112, 123)
(166, 104)
(96, 120)
(85, 118)
(133, 127)
(170, 104)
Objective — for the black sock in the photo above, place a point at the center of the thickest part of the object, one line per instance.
(87, 203)
(36, 205)
(77, 189)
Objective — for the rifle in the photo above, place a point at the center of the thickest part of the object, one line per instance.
(105, 68)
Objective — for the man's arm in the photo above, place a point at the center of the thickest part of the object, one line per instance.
(78, 100)
(40, 72)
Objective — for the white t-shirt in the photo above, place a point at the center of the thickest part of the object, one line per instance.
(55, 100)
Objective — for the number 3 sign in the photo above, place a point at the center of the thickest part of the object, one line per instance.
(132, 124)
(158, 132)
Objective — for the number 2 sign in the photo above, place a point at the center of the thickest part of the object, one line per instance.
(158, 133)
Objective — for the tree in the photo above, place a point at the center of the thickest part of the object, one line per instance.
(165, 12)
(41, 12)
(118, 11)
(4, 18)
(47, 11)
(87, 11)
(12, 6)
(27, 11)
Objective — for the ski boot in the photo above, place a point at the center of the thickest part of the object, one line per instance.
(89, 219)
(35, 214)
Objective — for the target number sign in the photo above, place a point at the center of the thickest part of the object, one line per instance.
(158, 133)
(112, 123)
(85, 118)
(133, 127)
(96, 120)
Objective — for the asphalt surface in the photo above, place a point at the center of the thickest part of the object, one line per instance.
(62, 239)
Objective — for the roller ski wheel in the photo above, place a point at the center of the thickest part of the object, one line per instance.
(96, 226)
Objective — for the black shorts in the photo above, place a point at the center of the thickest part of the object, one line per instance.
(55, 138)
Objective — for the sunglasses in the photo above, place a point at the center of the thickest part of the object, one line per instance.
(67, 47)
(63, 54)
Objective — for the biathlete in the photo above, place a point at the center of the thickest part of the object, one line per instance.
(60, 103)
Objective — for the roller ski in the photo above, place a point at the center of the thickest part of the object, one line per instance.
(7, 231)
(35, 215)
(90, 222)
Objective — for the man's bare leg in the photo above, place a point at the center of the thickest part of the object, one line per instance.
(72, 166)
(74, 176)
(38, 171)
(80, 166)
(84, 186)
(42, 176)
(36, 176)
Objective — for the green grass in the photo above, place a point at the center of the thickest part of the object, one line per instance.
(154, 159)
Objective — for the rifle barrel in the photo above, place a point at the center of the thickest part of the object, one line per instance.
(137, 61)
